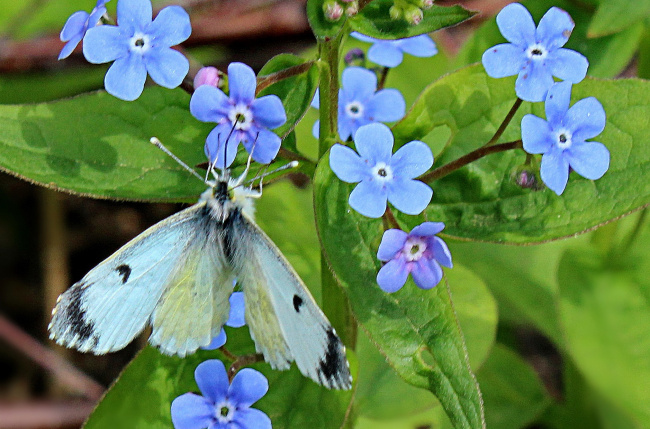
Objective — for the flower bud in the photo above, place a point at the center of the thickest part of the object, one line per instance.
(426, 4)
(354, 57)
(413, 15)
(395, 12)
(525, 177)
(208, 76)
(332, 10)
(352, 9)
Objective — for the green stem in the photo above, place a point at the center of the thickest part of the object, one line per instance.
(505, 122)
(266, 81)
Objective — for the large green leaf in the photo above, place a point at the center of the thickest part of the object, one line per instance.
(374, 20)
(482, 201)
(416, 330)
(616, 15)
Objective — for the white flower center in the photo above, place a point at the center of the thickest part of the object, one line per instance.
(354, 109)
(224, 411)
(536, 52)
(382, 172)
(414, 248)
(139, 43)
(563, 137)
(241, 116)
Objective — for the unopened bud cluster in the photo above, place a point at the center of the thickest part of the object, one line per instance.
(409, 10)
(334, 9)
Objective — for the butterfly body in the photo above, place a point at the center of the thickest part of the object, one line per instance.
(178, 275)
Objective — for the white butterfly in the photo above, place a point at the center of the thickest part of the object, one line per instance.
(178, 276)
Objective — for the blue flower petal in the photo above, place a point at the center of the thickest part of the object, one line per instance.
(533, 82)
(567, 65)
(369, 199)
(441, 252)
(554, 28)
(586, 119)
(363, 37)
(427, 229)
(386, 105)
(557, 103)
(166, 66)
(69, 47)
(134, 15)
(74, 26)
(516, 24)
(247, 387)
(385, 54)
(358, 83)
(215, 148)
(346, 128)
(503, 60)
(212, 379)
(217, 341)
(237, 317)
(392, 276)
(426, 273)
(268, 111)
(171, 27)
(374, 142)
(554, 170)
(242, 83)
(315, 103)
(392, 242)
(126, 77)
(265, 146)
(412, 160)
(97, 13)
(535, 134)
(347, 165)
(252, 419)
(588, 159)
(105, 43)
(419, 46)
(209, 104)
(409, 196)
(191, 411)
(315, 130)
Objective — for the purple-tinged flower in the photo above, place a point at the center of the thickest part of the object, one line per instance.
(222, 406)
(419, 253)
(240, 118)
(383, 176)
(535, 54)
(562, 138)
(361, 104)
(390, 53)
(76, 26)
(139, 46)
(236, 319)
(208, 76)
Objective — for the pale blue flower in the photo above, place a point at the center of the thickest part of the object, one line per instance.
(534, 54)
(419, 253)
(76, 26)
(390, 53)
(236, 319)
(383, 176)
(562, 138)
(139, 46)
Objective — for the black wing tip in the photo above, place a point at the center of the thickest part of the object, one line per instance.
(334, 369)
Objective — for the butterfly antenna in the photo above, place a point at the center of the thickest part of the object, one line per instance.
(158, 143)
(292, 164)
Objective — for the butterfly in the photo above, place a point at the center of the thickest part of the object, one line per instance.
(178, 276)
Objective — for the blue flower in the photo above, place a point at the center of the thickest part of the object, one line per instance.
(389, 53)
(240, 118)
(222, 406)
(562, 138)
(360, 105)
(382, 175)
(536, 55)
(419, 253)
(76, 26)
(236, 319)
(139, 46)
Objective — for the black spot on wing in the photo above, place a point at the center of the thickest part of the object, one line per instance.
(76, 315)
(125, 272)
(333, 365)
(297, 302)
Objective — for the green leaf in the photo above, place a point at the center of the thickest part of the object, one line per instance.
(374, 20)
(415, 329)
(482, 201)
(321, 26)
(296, 92)
(513, 394)
(616, 15)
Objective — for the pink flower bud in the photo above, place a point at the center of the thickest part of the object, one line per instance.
(207, 76)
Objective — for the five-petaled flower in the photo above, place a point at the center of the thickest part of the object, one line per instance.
(419, 253)
(76, 26)
(240, 118)
(382, 175)
(222, 406)
(139, 46)
(361, 104)
(236, 319)
(390, 53)
(562, 138)
(535, 54)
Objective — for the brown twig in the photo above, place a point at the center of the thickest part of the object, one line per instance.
(389, 219)
(383, 75)
(242, 361)
(266, 81)
(505, 122)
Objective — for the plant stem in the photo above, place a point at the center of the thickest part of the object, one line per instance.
(329, 93)
(242, 361)
(505, 122)
(441, 172)
(382, 78)
(266, 81)
(389, 219)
